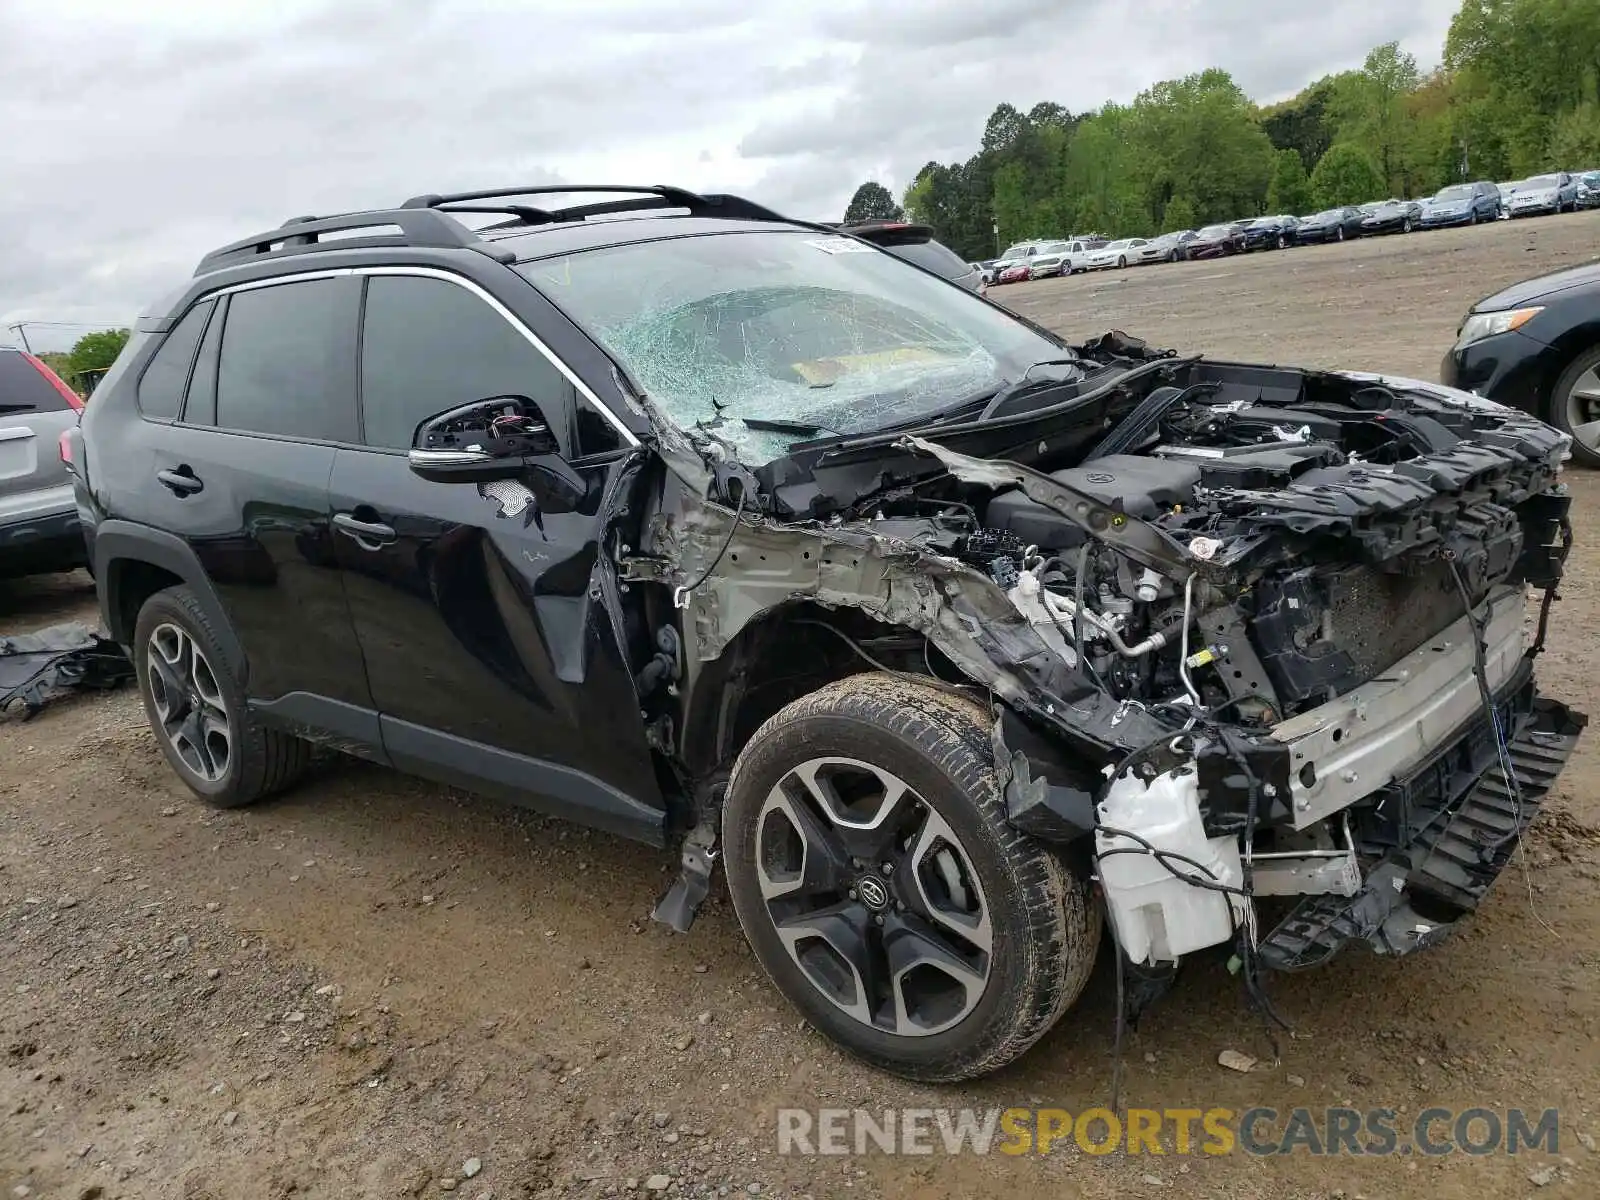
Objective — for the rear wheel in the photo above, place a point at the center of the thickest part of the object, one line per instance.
(877, 879)
(1575, 406)
(196, 708)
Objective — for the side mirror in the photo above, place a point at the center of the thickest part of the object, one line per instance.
(500, 438)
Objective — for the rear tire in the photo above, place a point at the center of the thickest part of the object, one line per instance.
(196, 708)
(960, 955)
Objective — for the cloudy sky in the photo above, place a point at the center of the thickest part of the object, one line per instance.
(136, 136)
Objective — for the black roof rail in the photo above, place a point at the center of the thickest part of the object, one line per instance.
(298, 235)
(644, 198)
(425, 221)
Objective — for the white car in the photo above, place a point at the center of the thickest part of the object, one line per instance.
(1056, 258)
(1019, 255)
(1115, 254)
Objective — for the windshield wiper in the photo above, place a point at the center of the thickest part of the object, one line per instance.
(803, 428)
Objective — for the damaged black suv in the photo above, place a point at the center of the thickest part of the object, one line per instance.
(741, 535)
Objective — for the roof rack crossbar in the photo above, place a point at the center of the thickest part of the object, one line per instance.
(643, 198)
(684, 197)
(301, 234)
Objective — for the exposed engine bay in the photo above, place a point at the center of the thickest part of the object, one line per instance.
(1274, 616)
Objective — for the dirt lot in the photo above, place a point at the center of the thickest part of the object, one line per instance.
(357, 989)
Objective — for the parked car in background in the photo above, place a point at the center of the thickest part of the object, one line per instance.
(1019, 272)
(915, 244)
(1392, 216)
(1056, 258)
(1019, 254)
(988, 269)
(1536, 346)
(1157, 249)
(1330, 225)
(1115, 254)
(1506, 190)
(1169, 247)
(1461, 204)
(1543, 195)
(1588, 189)
(39, 528)
(1270, 233)
(1216, 240)
(1090, 241)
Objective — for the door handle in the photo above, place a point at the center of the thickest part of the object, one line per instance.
(369, 535)
(181, 482)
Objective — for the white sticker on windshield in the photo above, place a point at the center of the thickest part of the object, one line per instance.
(841, 245)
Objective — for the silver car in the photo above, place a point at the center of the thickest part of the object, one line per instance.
(39, 528)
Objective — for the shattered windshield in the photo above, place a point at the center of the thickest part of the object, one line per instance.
(824, 334)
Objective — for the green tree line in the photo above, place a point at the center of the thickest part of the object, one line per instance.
(1517, 92)
(90, 357)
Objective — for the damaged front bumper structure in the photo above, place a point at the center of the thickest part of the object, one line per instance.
(1392, 866)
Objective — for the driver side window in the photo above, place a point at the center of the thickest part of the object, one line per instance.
(428, 345)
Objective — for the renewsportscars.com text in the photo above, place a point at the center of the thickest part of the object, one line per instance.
(1175, 1131)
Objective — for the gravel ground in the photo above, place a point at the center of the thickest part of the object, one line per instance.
(378, 987)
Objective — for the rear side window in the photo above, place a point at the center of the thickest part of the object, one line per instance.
(287, 361)
(428, 345)
(26, 389)
(939, 259)
(201, 406)
(161, 386)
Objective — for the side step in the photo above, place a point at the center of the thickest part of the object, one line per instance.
(1450, 864)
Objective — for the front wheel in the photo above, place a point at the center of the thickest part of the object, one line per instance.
(878, 882)
(1340, 233)
(1405, 226)
(1472, 217)
(1121, 262)
(1575, 406)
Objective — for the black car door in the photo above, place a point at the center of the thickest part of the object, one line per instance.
(488, 644)
(266, 380)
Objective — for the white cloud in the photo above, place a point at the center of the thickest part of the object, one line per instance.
(139, 136)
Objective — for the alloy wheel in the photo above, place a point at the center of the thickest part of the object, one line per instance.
(1583, 408)
(188, 702)
(874, 897)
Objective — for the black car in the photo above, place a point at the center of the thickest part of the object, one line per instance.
(1270, 233)
(915, 244)
(1392, 216)
(1331, 225)
(1461, 204)
(1214, 241)
(1536, 346)
(732, 533)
